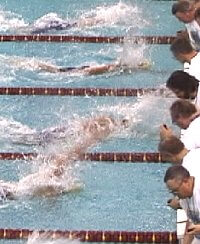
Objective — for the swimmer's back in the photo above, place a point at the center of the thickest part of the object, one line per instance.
(53, 25)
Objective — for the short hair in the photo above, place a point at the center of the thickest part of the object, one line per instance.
(171, 145)
(181, 45)
(181, 6)
(183, 82)
(182, 108)
(197, 13)
(176, 172)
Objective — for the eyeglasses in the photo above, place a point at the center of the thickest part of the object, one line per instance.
(175, 191)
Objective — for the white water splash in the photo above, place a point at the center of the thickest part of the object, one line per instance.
(131, 56)
(46, 19)
(120, 13)
(45, 238)
(14, 130)
(28, 63)
(10, 21)
(144, 116)
(117, 14)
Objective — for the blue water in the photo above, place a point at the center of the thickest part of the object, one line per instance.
(115, 196)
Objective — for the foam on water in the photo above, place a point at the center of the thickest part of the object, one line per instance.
(120, 13)
(133, 55)
(10, 21)
(14, 130)
(117, 14)
(144, 110)
(28, 63)
(45, 238)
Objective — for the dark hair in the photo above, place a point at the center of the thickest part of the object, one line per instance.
(182, 82)
(182, 108)
(197, 13)
(176, 172)
(181, 45)
(181, 6)
(171, 145)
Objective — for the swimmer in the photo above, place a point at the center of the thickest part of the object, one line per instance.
(51, 22)
(94, 70)
(48, 180)
(60, 24)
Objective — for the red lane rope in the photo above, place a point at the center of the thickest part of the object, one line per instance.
(91, 39)
(51, 91)
(95, 236)
(127, 157)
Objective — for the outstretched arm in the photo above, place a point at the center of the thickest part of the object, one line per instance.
(95, 130)
(100, 69)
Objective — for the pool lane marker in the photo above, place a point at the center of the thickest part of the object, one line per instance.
(88, 39)
(126, 157)
(88, 91)
(95, 235)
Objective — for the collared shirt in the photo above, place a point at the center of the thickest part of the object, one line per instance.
(193, 69)
(191, 136)
(192, 205)
(193, 30)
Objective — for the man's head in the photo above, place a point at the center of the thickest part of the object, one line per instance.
(179, 182)
(183, 85)
(184, 10)
(182, 112)
(171, 149)
(182, 49)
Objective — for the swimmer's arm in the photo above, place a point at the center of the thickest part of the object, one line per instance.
(48, 68)
(60, 161)
(87, 22)
(95, 70)
(94, 133)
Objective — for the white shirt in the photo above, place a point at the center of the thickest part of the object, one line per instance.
(193, 69)
(192, 205)
(192, 162)
(191, 136)
(193, 30)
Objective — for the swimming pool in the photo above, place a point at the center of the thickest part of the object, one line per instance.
(114, 196)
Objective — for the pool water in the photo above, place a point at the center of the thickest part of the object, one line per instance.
(115, 196)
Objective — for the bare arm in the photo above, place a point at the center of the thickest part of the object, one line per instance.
(95, 130)
(95, 70)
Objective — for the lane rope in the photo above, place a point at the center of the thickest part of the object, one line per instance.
(126, 157)
(88, 39)
(95, 235)
(89, 91)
